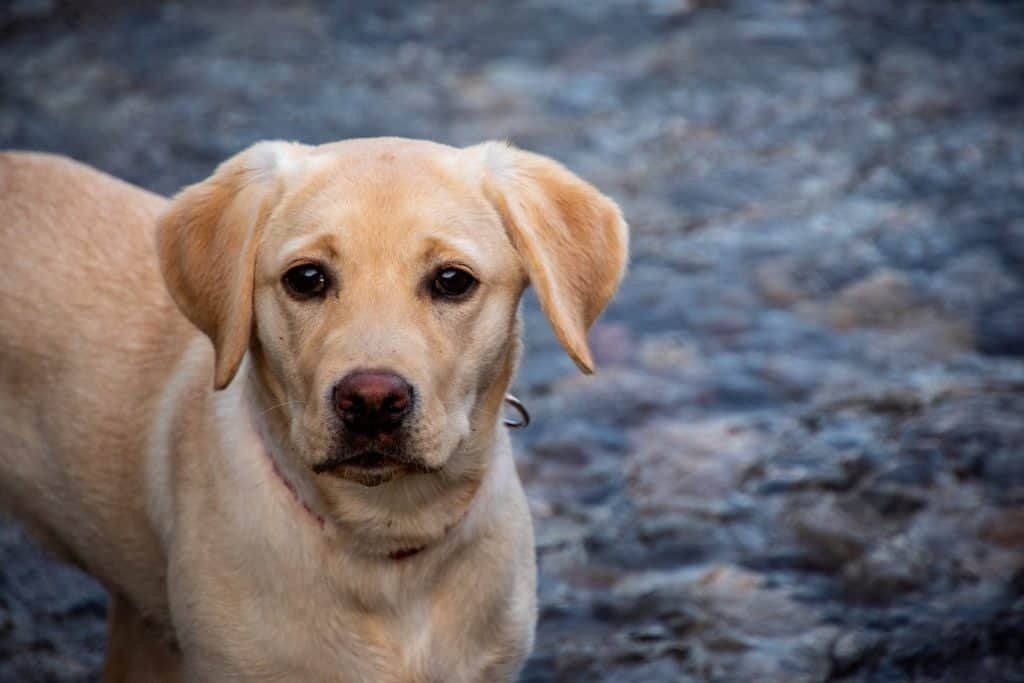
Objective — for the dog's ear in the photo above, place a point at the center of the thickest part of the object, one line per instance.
(572, 239)
(206, 243)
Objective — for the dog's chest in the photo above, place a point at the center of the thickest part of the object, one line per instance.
(316, 620)
(340, 644)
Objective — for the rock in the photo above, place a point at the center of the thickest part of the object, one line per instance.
(883, 299)
(972, 282)
(852, 648)
(1006, 529)
(28, 9)
(778, 283)
(999, 330)
(834, 531)
(675, 463)
(611, 343)
(889, 572)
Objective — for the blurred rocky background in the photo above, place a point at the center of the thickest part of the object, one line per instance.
(803, 456)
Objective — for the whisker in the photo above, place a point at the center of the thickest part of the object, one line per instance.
(281, 405)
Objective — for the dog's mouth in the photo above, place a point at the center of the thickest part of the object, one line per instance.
(369, 468)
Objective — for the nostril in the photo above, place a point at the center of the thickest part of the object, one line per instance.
(397, 404)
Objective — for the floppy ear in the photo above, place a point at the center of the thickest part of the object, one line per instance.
(206, 243)
(572, 239)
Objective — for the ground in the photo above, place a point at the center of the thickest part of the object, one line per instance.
(802, 458)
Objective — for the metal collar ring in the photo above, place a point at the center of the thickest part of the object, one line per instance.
(524, 415)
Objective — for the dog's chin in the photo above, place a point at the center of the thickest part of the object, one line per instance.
(369, 469)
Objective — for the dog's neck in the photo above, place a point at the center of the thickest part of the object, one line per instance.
(396, 555)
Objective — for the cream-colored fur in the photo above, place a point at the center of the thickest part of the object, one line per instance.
(180, 472)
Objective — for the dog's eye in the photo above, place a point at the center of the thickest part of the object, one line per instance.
(452, 283)
(305, 281)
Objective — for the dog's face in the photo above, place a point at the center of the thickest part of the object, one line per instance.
(376, 284)
(385, 307)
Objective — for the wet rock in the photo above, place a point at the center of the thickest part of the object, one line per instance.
(885, 298)
(677, 463)
(611, 343)
(778, 282)
(621, 396)
(897, 493)
(1000, 327)
(1006, 529)
(834, 531)
(763, 633)
(851, 649)
(890, 571)
(24, 10)
(972, 282)
(976, 434)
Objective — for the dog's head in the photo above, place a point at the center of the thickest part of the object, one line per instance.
(376, 284)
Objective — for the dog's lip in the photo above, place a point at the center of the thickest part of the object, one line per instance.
(367, 469)
(371, 460)
(372, 467)
(368, 461)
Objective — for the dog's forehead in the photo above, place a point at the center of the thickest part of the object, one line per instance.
(385, 167)
(388, 196)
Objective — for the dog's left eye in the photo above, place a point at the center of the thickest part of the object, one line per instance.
(452, 283)
(305, 281)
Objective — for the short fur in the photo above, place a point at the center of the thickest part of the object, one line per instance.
(181, 474)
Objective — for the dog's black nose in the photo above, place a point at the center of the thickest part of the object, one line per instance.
(371, 402)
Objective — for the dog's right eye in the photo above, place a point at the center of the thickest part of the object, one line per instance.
(305, 281)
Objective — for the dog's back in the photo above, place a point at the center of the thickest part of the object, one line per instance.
(88, 336)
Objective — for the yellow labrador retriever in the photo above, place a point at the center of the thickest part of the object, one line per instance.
(325, 492)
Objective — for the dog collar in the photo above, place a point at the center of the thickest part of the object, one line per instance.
(295, 494)
(397, 555)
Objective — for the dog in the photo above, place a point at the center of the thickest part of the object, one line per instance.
(266, 414)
